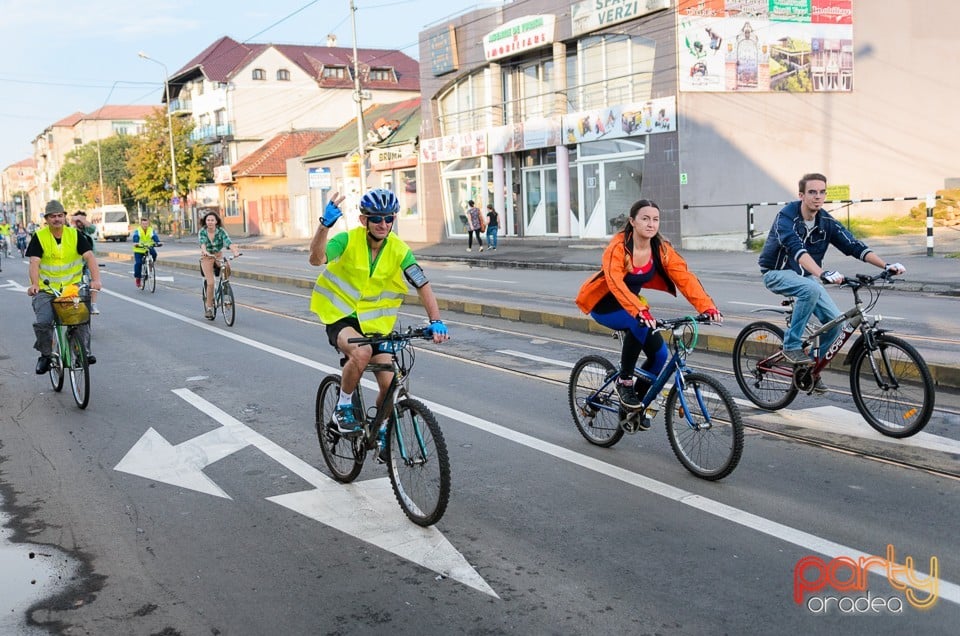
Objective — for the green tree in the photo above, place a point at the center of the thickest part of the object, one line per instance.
(79, 178)
(148, 162)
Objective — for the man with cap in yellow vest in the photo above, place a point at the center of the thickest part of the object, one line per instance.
(362, 288)
(57, 254)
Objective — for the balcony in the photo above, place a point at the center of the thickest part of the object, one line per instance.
(207, 134)
(181, 107)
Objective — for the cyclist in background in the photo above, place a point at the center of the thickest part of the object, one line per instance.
(79, 221)
(57, 254)
(637, 258)
(145, 239)
(791, 263)
(361, 290)
(22, 237)
(213, 240)
(5, 232)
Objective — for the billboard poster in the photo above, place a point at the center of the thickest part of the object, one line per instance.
(795, 46)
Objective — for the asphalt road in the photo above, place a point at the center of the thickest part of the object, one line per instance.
(237, 530)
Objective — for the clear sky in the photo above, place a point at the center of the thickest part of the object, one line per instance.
(63, 56)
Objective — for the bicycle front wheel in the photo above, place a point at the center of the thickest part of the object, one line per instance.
(79, 371)
(151, 274)
(763, 374)
(418, 462)
(593, 399)
(227, 305)
(339, 452)
(56, 364)
(705, 428)
(892, 387)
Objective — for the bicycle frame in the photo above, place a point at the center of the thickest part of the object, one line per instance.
(676, 367)
(396, 389)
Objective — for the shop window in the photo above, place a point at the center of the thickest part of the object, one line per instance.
(610, 69)
(465, 106)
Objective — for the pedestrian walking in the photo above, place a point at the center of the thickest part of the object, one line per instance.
(475, 225)
(493, 226)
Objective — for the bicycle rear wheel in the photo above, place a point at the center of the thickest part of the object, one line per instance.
(79, 371)
(227, 305)
(419, 465)
(594, 404)
(763, 375)
(709, 444)
(339, 452)
(56, 365)
(897, 400)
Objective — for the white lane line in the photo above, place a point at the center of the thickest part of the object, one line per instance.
(948, 591)
(779, 309)
(485, 280)
(528, 356)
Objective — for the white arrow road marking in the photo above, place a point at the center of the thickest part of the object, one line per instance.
(833, 419)
(182, 465)
(366, 510)
(13, 285)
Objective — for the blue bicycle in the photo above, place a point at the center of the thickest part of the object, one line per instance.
(703, 422)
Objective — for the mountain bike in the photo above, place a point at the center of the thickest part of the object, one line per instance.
(68, 356)
(890, 382)
(148, 269)
(222, 292)
(402, 431)
(703, 422)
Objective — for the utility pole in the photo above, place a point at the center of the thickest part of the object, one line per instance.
(175, 199)
(358, 98)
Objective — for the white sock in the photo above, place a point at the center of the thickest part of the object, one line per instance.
(345, 398)
(625, 382)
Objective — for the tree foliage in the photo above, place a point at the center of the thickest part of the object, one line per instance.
(148, 161)
(79, 178)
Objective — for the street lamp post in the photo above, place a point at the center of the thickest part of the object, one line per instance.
(173, 160)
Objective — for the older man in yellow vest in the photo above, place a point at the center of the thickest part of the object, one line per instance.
(362, 288)
(57, 254)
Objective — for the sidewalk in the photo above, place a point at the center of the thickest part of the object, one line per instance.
(939, 273)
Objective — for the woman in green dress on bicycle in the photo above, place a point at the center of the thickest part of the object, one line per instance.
(213, 240)
(636, 258)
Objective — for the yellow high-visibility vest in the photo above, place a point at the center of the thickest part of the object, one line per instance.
(347, 286)
(60, 263)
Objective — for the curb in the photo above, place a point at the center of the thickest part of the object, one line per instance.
(943, 375)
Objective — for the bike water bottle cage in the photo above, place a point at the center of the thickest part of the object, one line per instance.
(416, 276)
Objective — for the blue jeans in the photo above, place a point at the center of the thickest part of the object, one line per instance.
(812, 299)
(138, 261)
(492, 236)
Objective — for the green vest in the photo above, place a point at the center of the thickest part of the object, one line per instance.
(60, 263)
(146, 237)
(347, 286)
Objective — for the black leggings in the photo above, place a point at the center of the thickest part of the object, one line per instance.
(631, 353)
(470, 234)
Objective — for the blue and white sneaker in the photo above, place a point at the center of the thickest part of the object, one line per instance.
(345, 420)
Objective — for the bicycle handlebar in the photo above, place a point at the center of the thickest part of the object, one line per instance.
(424, 333)
(865, 280)
(670, 323)
(83, 289)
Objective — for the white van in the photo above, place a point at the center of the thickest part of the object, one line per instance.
(112, 221)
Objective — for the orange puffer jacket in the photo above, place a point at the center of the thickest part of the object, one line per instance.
(671, 274)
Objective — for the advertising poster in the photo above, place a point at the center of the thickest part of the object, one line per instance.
(794, 46)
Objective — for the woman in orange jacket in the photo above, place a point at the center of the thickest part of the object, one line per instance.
(636, 258)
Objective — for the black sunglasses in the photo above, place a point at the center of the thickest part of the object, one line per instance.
(380, 218)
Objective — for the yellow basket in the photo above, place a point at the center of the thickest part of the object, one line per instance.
(71, 311)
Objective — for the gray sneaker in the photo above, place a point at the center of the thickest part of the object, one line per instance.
(819, 388)
(628, 397)
(345, 420)
(797, 356)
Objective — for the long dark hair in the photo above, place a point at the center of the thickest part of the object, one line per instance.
(628, 229)
(215, 215)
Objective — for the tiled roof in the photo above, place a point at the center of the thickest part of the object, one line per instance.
(223, 59)
(344, 140)
(122, 112)
(69, 121)
(271, 158)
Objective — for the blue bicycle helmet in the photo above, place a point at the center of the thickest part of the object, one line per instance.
(379, 201)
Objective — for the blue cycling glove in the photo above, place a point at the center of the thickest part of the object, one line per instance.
(331, 214)
(437, 327)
